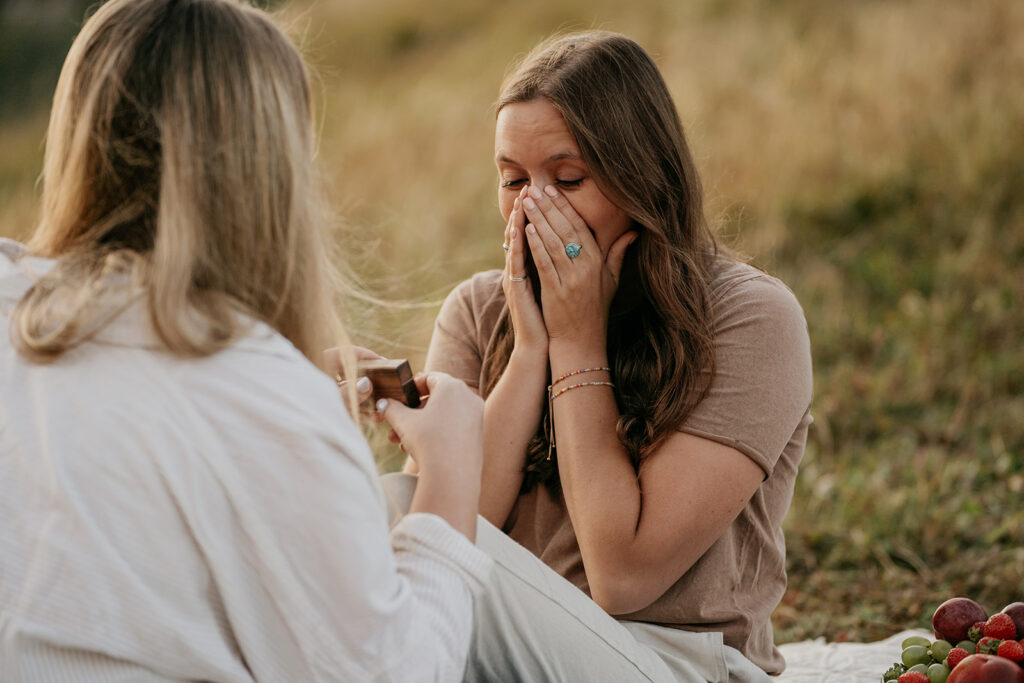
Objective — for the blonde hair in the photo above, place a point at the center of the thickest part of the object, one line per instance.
(179, 168)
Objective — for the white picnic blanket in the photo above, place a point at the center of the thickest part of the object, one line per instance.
(815, 661)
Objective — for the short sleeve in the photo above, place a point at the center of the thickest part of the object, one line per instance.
(762, 386)
(464, 325)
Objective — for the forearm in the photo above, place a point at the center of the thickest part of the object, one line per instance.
(511, 415)
(600, 486)
(451, 495)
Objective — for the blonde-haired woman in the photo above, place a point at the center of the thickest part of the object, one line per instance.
(182, 492)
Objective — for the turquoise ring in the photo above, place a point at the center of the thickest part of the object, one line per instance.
(572, 250)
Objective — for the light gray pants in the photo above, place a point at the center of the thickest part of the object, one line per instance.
(532, 625)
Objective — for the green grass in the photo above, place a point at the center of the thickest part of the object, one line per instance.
(870, 154)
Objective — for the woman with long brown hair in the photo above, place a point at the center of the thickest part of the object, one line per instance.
(183, 494)
(647, 393)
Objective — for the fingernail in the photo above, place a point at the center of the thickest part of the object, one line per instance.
(534, 192)
(530, 229)
(551, 191)
(515, 204)
(382, 405)
(530, 205)
(363, 385)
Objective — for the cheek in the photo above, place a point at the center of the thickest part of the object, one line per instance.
(506, 200)
(606, 220)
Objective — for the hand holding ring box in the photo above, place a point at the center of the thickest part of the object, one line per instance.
(392, 378)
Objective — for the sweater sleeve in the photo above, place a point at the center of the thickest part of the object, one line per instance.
(319, 588)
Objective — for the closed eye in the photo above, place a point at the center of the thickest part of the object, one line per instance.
(569, 183)
(513, 183)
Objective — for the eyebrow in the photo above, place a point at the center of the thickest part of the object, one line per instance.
(554, 157)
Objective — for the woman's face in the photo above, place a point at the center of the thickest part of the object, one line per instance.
(533, 146)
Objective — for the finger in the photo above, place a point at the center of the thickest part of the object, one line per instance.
(541, 259)
(364, 388)
(552, 242)
(423, 385)
(395, 413)
(558, 221)
(393, 437)
(567, 209)
(617, 252)
(514, 217)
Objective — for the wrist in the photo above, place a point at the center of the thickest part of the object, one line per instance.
(529, 354)
(566, 355)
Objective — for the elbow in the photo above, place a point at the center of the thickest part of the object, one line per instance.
(621, 593)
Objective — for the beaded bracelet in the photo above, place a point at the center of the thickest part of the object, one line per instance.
(579, 372)
(577, 386)
(551, 415)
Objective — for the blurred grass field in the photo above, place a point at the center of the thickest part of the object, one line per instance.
(870, 154)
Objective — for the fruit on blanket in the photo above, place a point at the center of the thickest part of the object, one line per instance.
(1001, 627)
(954, 617)
(986, 669)
(1012, 650)
(988, 646)
(939, 650)
(914, 640)
(894, 672)
(915, 654)
(1016, 612)
(913, 677)
(938, 673)
(957, 655)
(968, 645)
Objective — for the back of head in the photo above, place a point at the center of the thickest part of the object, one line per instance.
(179, 167)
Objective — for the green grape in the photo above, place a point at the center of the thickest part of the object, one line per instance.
(938, 673)
(923, 668)
(968, 645)
(915, 640)
(940, 649)
(916, 654)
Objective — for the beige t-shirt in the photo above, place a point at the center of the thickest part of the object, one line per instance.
(758, 403)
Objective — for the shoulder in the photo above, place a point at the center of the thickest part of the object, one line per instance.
(742, 295)
(474, 304)
(480, 292)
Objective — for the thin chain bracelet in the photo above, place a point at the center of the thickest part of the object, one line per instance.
(579, 372)
(551, 415)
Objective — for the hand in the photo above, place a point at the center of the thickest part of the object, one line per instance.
(576, 293)
(527, 320)
(334, 364)
(445, 434)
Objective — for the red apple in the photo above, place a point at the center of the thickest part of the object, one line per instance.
(1016, 612)
(953, 617)
(986, 669)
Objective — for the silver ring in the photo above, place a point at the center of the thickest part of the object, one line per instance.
(505, 247)
(515, 279)
(572, 250)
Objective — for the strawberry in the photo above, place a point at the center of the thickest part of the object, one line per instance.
(977, 631)
(913, 677)
(1001, 627)
(955, 656)
(988, 646)
(1012, 650)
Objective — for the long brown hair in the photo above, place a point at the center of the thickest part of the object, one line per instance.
(179, 169)
(660, 343)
